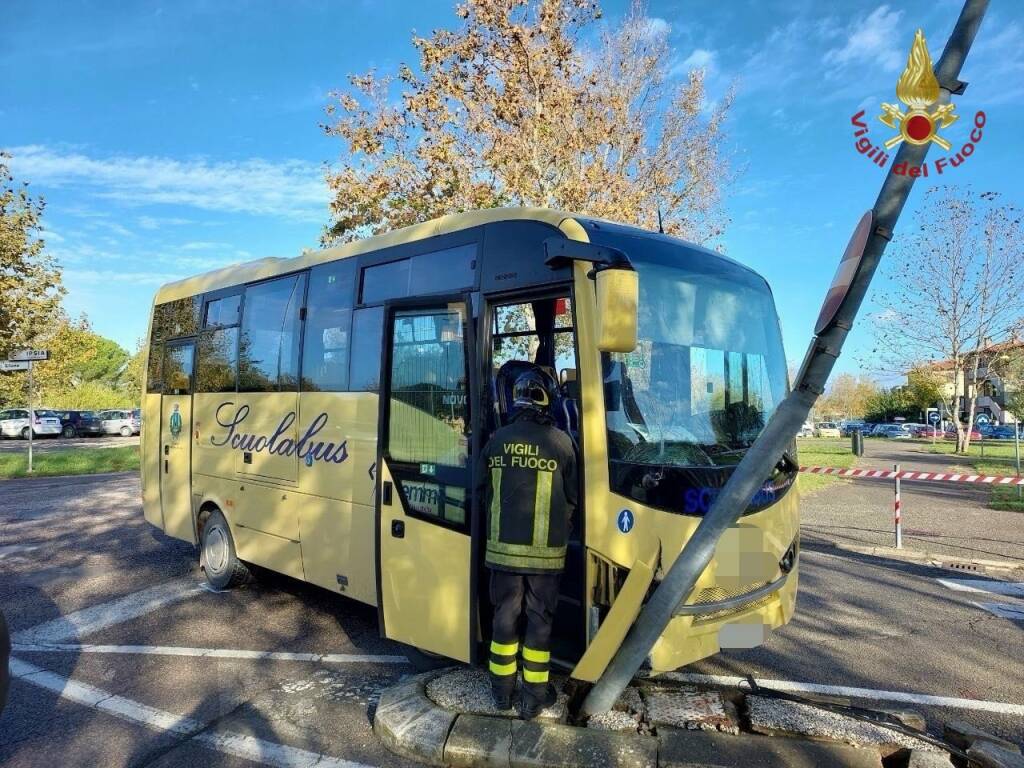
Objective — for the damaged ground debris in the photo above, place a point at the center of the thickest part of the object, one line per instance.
(446, 718)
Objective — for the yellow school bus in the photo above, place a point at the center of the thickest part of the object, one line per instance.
(320, 417)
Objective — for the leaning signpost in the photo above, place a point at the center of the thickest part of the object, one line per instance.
(22, 361)
(857, 267)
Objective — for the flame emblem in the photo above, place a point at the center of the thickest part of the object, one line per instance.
(918, 88)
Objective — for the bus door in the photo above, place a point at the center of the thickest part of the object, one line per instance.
(176, 440)
(424, 479)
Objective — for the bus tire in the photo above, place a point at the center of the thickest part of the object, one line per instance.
(425, 661)
(217, 556)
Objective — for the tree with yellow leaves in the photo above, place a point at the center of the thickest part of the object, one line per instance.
(513, 107)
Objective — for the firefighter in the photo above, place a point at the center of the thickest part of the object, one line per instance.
(528, 479)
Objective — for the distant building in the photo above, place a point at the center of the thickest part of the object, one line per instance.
(991, 390)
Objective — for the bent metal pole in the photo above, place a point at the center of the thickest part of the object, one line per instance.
(769, 448)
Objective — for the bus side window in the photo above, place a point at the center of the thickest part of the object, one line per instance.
(154, 368)
(217, 350)
(269, 346)
(328, 327)
(367, 330)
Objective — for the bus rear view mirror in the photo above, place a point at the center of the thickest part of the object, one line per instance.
(618, 292)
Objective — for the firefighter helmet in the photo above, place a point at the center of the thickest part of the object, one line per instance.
(532, 390)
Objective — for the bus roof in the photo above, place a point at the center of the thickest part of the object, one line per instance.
(260, 269)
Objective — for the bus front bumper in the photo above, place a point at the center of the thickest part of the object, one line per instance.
(706, 626)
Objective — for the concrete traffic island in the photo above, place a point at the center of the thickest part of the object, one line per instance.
(445, 718)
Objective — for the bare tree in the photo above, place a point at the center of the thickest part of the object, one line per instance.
(513, 107)
(954, 292)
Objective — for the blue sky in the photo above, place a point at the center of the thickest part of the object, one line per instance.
(171, 138)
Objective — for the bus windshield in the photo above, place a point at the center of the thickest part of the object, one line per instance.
(709, 368)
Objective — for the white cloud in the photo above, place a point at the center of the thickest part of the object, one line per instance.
(156, 222)
(873, 40)
(701, 58)
(655, 28)
(291, 189)
(204, 245)
(104, 277)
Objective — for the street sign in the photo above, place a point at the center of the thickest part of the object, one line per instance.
(840, 288)
(981, 420)
(29, 355)
(934, 418)
(6, 365)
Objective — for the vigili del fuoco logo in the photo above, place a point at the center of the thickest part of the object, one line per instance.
(921, 123)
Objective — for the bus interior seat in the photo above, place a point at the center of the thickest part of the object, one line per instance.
(570, 391)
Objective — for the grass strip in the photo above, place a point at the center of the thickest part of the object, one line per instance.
(822, 452)
(991, 457)
(74, 461)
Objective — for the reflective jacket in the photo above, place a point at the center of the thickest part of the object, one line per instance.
(528, 480)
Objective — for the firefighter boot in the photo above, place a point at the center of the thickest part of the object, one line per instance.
(503, 673)
(534, 702)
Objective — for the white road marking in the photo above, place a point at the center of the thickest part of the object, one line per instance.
(1008, 588)
(16, 549)
(237, 744)
(1004, 610)
(922, 699)
(211, 653)
(97, 617)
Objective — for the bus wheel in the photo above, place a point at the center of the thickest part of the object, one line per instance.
(217, 556)
(425, 661)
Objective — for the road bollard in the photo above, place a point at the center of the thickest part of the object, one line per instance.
(857, 442)
(897, 511)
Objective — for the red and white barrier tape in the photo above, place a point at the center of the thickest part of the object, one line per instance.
(888, 474)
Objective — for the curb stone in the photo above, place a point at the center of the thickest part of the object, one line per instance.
(549, 745)
(919, 759)
(964, 735)
(410, 724)
(985, 754)
(709, 749)
(937, 559)
(479, 740)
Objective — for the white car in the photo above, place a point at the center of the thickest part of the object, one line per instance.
(119, 422)
(14, 422)
(826, 429)
(807, 430)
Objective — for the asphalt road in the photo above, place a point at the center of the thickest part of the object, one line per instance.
(942, 517)
(46, 444)
(125, 660)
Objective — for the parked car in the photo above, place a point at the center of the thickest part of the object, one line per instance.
(826, 429)
(14, 422)
(925, 430)
(807, 430)
(951, 434)
(78, 423)
(847, 428)
(119, 422)
(893, 431)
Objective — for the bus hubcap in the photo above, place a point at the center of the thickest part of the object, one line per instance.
(216, 550)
